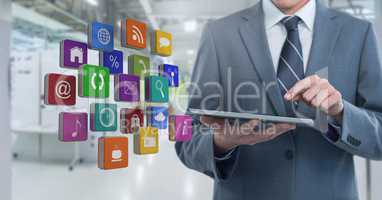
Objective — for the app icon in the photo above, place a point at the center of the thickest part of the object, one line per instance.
(59, 89)
(133, 34)
(146, 141)
(139, 65)
(73, 54)
(112, 60)
(161, 43)
(93, 81)
(103, 117)
(113, 152)
(171, 72)
(101, 36)
(180, 128)
(73, 127)
(131, 120)
(127, 88)
(156, 89)
(157, 117)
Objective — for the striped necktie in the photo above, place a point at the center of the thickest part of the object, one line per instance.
(291, 63)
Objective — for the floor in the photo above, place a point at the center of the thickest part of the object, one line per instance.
(148, 177)
(159, 176)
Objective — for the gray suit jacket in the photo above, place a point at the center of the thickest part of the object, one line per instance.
(305, 163)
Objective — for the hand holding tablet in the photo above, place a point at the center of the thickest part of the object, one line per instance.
(227, 137)
(253, 131)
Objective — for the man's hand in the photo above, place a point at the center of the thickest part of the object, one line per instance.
(227, 137)
(318, 93)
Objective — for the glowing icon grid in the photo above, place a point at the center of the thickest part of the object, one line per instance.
(94, 82)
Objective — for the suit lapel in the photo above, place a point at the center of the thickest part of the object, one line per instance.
(326, 32)
(253, 34)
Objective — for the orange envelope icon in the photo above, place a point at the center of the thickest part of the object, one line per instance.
(113, 152)
(146, 141)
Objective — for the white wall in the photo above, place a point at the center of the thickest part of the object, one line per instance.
(5, 136)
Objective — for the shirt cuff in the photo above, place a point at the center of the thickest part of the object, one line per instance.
(225, 156)
(334, 130)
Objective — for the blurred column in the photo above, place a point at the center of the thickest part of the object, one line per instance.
(376, 167)
(5, 134)
(378, 20)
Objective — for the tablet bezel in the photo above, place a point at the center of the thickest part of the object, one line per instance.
(249, 116)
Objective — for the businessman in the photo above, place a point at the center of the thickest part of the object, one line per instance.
(286, 58)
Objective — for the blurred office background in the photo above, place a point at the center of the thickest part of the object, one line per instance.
(43, 168)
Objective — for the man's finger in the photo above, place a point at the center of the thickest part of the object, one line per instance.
(325, 105)
(284, 127)
(255, 125)
(297, 98)
(301, 86)
(321, 96)
(330, 102)
(310, 93)
(279, 128)
(254, 122)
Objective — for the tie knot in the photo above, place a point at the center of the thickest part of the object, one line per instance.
(291, 22)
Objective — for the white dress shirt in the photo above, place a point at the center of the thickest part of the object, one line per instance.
(277, 33)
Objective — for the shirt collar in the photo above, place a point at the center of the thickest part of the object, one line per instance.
(273, 15)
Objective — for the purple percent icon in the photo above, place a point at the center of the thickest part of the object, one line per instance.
(127, 88)
(73, 127)
(73, 54)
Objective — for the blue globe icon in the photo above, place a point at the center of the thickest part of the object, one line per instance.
(103, 36)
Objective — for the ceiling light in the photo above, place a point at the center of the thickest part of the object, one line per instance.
(190, 26)
(92, 2)
(190, 52)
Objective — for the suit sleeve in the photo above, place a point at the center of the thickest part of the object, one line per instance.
(205, 92)
(361, 131)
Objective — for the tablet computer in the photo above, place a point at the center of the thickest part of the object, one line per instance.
(249, 116)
